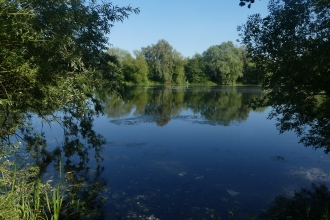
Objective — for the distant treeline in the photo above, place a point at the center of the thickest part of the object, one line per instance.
(161, 63)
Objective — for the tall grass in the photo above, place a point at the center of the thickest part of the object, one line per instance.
(23, 196)
(19, 197)
(55, 203)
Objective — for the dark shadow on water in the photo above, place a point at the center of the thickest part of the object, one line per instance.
(306, 204)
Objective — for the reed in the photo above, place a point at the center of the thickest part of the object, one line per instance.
(55, 203)
(23, 195)
(18, 198)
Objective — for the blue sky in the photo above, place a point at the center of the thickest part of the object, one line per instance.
(190, 26)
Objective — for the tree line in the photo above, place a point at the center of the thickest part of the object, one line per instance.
(224, 64)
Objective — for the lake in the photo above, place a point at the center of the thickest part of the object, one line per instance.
(199, 153)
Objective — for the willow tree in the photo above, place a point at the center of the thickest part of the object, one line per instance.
(52, 60)
(51, 53)
(224, 63)
(165, 63)
(45, 44)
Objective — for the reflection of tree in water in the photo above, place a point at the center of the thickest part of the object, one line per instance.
(139, 97)
(295, 70)
(114, 106)
(306, 204)
(165, 103)
(310, 119)
(223, 105)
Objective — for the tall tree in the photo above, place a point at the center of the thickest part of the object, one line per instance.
(224, 62)
(162, 60)
(290, 47)
(178, 72)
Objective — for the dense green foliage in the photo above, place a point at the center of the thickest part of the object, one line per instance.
(133, 70)
(290, 48)
(140, 69)
(165, 63)
(219, 64)
(42, 43)
(250, 72)
(224, 63)
(52, 54)
(195, 69)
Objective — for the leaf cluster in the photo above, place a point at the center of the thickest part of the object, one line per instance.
(51, 53)
(164, 62)
(224, 62)
(244, 2)
(134, 70)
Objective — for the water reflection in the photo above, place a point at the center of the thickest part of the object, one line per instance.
(160, 156)
(309, 118)
(200, 153)
(218, 105)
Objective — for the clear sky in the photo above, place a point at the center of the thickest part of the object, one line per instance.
(190, 26)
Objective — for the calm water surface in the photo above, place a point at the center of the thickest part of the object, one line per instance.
(197, 152)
